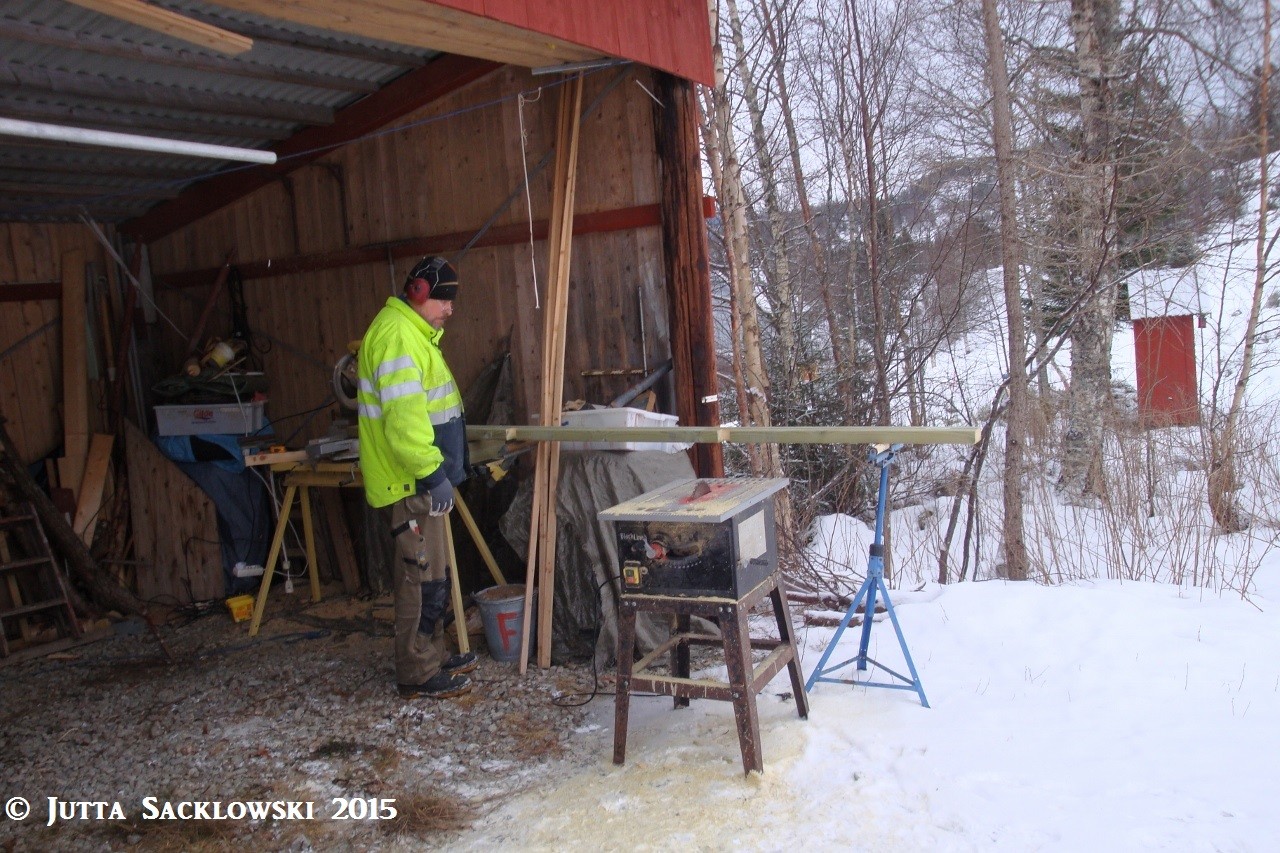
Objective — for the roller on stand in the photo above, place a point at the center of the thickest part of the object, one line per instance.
(881, 455)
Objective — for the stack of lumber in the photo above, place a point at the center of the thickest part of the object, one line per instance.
(542, 530)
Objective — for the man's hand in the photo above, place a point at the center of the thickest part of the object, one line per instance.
(441, 494)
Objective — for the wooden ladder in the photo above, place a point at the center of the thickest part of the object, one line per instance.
(34, 584)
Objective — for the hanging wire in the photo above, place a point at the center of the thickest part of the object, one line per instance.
(102, 238)
(528, 201)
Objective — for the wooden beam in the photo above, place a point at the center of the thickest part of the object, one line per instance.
(734, 435)
(75, 383)
(170, 23)
(623, 219)
(89, 192)
(30, 291)
(90, 43)
(67, 210)
(89, 502)
(311, 42)
(37, 161)
(426, 25)
(33, 78)
(688, 271)
(401, 97)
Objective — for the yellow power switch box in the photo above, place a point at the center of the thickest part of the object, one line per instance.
(632, 573)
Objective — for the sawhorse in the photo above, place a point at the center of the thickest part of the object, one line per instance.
(299, 479)
(745, 679)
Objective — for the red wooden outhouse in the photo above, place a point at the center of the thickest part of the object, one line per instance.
(1164, 305)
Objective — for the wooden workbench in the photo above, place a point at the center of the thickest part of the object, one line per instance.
(299, 479)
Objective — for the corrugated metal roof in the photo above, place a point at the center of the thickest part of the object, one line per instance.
(67, 65)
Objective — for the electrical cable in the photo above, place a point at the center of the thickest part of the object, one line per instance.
(561, 700)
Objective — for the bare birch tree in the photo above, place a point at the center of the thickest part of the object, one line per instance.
(1015, 547)
(1222, 458)
(1093, 225)
(777, 262)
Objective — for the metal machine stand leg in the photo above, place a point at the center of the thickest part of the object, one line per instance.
(871, 587)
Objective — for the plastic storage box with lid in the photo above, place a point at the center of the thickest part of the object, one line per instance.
(619, 417)
(210, 418)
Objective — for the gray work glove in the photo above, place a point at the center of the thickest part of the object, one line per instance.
(440, 490)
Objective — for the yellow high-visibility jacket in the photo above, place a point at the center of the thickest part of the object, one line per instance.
(410, 409)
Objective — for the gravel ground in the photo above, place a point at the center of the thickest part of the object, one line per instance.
(306, 713)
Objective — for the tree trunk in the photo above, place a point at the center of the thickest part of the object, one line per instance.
(733, 201)
(843, 384)
(778, 290)
(716, 161)
(872, 227)
(1222, 459)
(1089, 400)
(1014, 544)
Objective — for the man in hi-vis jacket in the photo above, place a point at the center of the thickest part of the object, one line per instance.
(413, 451)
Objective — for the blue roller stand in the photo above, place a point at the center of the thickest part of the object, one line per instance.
(873, 585)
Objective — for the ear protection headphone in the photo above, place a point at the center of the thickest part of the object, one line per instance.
(424, 282)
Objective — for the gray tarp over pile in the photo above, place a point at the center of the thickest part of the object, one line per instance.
(586, 551)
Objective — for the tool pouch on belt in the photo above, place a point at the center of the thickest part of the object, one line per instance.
(435, 598)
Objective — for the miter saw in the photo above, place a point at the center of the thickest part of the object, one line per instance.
(345, 380)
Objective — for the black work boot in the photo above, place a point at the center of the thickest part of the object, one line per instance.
(460, 663)
(442, 685)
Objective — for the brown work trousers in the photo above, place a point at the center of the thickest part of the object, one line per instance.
(421, 577)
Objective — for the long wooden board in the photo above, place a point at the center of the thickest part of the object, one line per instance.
(97, 468)
(542, 528)
(75, 381)
(735, 435)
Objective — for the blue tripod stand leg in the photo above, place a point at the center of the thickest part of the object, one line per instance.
(871, 586)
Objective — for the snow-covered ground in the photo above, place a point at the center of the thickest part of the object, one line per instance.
(1105, 715)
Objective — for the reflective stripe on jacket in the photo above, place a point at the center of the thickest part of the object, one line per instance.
(410, 409)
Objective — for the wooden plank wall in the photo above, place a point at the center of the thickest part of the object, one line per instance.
(31, 374)
(448, 173)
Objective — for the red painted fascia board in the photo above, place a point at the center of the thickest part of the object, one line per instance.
(398, 98)
(670, 35)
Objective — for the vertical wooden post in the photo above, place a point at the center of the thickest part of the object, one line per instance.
(75, 386)
(688, 272)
